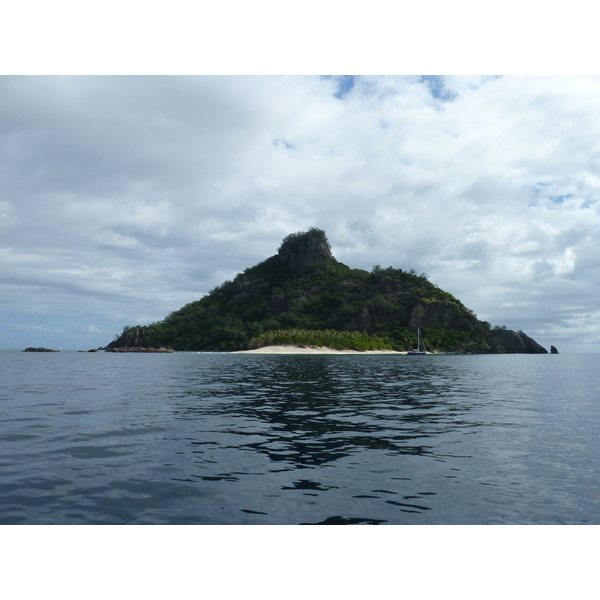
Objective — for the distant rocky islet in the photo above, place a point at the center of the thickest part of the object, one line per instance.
(31, 349)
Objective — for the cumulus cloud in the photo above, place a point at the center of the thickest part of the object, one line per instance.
(123, 198)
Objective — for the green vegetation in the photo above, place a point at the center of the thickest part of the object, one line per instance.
(303, 295)
(340, 340)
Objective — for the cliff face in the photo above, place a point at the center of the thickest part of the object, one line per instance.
(515, 342)
(304, 287)
(299, 250)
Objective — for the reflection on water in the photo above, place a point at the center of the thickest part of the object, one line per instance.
(303, 411)
(201, 438)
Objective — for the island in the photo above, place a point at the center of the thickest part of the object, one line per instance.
(31, 349)
(303, 297)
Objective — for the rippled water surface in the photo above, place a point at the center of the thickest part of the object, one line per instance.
(192, 438)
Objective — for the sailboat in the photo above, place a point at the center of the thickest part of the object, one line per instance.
(420, 345)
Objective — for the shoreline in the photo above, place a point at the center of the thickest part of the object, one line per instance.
(290, 349)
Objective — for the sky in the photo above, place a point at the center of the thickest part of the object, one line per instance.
(122, 198)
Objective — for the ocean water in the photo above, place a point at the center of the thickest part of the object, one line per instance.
(200, 438)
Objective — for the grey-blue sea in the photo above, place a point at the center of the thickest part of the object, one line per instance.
(203, 438)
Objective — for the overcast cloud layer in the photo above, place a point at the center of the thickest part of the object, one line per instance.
(123, 198)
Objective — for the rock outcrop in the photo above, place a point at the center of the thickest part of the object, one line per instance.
(132, 337)
(39, 350)
(515, 342)
(553, 350)
(301, 249)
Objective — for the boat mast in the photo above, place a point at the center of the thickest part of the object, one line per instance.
(420, 341)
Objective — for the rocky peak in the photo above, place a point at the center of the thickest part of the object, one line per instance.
(300, 249)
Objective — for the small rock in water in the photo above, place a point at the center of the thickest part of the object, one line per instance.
(39, 350)
(553, 350)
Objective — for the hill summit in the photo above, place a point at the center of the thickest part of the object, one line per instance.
(304, 295)
(299, 250)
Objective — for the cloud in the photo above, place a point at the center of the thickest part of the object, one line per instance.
(123, 198)
(88, 329)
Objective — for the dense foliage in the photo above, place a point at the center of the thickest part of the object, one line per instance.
(339, 340)
(291, 299)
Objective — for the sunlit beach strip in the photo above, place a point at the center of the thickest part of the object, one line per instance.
(289, 349)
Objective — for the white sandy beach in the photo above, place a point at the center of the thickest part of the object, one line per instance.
(311, 350)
